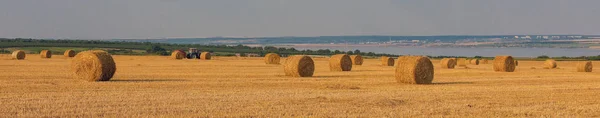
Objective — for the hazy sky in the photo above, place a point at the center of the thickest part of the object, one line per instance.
(93, 19)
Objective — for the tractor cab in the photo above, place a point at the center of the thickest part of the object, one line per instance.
(193, 54)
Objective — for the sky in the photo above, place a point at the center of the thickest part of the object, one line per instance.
(110, 19)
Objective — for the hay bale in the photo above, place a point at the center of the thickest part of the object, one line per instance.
(299, 66)
(468, 61)
(483, 61)
(475, 61)
(46, 54)
(69, 53)
(272, 58)
(461, 62)
(18, 55)
(414, 70)
(550, 64)
(387, 61)
(205, 56)
(584, 66)
(340, 62)
(356, 59)
(94, 65)
(448, 63)
(177, 55)
(504, 64)
(516, 63)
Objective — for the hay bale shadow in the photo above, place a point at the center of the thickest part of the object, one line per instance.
(446, 83)
(149, 80)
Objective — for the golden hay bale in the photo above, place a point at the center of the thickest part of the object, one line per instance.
(584, 66)
(516, 63)
(414, 70)
(94, 65)
(504, 64)
(461, 62)
(387, 61)
(483, 61)
(475, 61)
(177, 55)
(18, 55)
(69, 53)
(448, 63)
(299, 66)
(272, 58)
(550, 64)
(46, 54)
(356, 59)
(340, 62)
(205, 56)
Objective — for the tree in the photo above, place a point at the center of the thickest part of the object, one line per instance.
(356, 51)
(543, 57)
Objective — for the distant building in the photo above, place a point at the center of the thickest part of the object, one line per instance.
(516, 37)
(545, 37)
(415, 41)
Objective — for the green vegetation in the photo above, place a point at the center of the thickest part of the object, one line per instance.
(147, 48)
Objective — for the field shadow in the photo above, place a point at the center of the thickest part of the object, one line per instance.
(332, 76)
(445, 83)
(149, 80)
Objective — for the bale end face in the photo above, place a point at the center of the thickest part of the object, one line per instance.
(177, 55)
(340, 62)
(475, 61)
(448, 63)
(272, 58)
(585, 66)
(205, 56)
(94, 65)
(504, 64)
(18, 55)
(299, 66)
(414, 70)
(387, 61)
(356, 59)
(46, 54)
(69, 53)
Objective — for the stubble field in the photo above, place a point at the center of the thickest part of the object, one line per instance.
(246, 87)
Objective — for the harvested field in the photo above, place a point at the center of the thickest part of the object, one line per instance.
(158, 86)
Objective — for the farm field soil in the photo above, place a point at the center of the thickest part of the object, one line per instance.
(246, 87)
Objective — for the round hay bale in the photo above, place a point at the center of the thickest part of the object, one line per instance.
(356, 59)
(299, 66)
(177, 55)
(448, 63)
(205, 56)
(584, 66)
(387, 61)
(340, 62)
(18, 55)
(272, 58)
(414, 70)
(483, 61)
(504, 64)
(94, 65)
(46, 54)
(550, 64)
(461, 62)
(516, 63)
(475, 61)
(69, 53)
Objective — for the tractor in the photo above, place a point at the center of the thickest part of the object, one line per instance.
(193, 54)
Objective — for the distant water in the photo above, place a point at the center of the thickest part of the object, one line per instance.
(488, 52)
